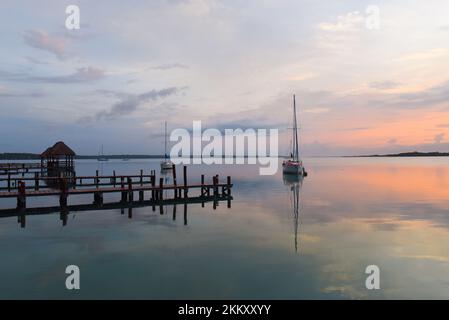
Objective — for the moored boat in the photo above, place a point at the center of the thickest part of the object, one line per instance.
(294, 165)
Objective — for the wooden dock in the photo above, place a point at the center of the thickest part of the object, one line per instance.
(145, 186)
(12, 169)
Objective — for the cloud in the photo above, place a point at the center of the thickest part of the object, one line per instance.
(439, 138)
(392, 141)
(434, 95)
(348, 22)
(21, 95)
(169, 66)
(443, 125)
(86, 74)
(130, 103)
(384, 85)
(424, 55)
(42, 40)
(35, 61)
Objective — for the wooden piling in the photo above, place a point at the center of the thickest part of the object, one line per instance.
(185, 181)
(130, 190)
(175, 182)
(36, 181)
(122, 185)
(21, 197)
(141, 196)
(161, 186)
(153, 184)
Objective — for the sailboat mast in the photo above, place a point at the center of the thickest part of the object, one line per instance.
(165, 152)
(295, 133)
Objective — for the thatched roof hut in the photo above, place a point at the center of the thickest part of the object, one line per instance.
(59, 155)
(58, 149)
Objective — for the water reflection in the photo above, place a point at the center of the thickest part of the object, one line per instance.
(294, 183)
(64, 211)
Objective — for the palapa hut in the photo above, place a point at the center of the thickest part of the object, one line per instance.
(58, 158)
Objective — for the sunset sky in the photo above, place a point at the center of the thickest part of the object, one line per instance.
(134, 64)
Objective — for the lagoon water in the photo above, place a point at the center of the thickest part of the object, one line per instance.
(353, 212)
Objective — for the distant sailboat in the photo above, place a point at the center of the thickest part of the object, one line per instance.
(166, 164)
(101, 156)
(294, 165)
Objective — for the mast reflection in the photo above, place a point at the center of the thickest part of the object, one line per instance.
(294, 182)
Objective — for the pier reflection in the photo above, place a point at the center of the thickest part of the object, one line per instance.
(163, 205)
(294, 183)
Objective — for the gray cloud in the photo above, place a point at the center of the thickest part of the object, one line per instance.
(21, 95)
(425, 98)
(130, 103)
(35, 61)
(170, 66)
(439, 138)
(384, 85)
(42, 40)
(86, 74)
(392, 141)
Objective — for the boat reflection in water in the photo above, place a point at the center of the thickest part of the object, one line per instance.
(294, 182)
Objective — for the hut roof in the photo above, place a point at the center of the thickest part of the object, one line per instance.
(46, 152)
(58, 149)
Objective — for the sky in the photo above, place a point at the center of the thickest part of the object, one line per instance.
(363, 85)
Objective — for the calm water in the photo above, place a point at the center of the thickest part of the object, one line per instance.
(393, 213)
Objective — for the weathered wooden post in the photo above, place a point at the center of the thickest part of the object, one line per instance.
(36, 181)
(130, 190)
(122, 187)
(96, 179)
(9, 181)
(114, 179)
(185, 181)
(215, 183)
(174, 212)
(185, 213)
(203, 190)
(174, 181)
(141, 196)
(153, 184)
(21, 197)
(63, 194)
(141, 177)
(229, 185)
(161, 190)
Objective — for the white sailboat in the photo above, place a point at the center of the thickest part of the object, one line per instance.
(166, 164)
(101, 156)
(294, 165)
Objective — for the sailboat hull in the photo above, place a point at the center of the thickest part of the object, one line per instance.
(292, 167)
(166, 165)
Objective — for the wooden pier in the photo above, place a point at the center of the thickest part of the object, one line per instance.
(12, 169)
(149, 191)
